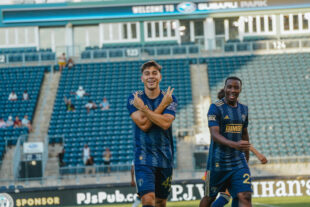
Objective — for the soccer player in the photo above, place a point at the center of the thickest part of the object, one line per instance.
(153, 112)
(224, 197)
(229, 150)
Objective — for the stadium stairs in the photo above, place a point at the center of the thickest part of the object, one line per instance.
(40, 124)
(42, 119)
(200, 92)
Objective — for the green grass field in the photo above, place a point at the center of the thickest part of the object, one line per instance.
(257, 202)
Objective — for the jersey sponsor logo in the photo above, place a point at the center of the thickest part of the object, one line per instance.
(226, 117)
(212, 117)
(233, 128)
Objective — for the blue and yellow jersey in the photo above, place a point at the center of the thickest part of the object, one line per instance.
(231, 122)
(155, 147)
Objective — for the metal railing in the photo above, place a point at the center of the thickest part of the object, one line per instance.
(26, 57)
(268, 46)
(18, 155)
(141, 52)
(45, 154)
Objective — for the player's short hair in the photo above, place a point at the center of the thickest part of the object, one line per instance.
(151, 63)
(233, 78)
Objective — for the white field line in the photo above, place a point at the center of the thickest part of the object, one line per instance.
(266, 205)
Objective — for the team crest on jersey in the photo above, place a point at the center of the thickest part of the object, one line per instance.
(226, 117)
(213, 189)
(172, 106)
(212, 117)
(219, 103)
(131, 101)
(243, 117)
(140, 182)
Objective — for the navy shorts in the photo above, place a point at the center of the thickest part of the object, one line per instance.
(153, 179)
(236, 181)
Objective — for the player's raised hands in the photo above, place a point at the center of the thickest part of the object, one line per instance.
(242, 145)
(137, 102)
(167, 99)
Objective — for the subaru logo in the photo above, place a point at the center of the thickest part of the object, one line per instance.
(186, 7)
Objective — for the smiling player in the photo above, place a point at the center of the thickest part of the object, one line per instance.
(229, 150)
(153, 112)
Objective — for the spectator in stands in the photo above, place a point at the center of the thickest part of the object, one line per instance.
(90, 106)
(9, 122)
(69, 105)
(61, 156)
(25, 96)
(17, 122)
(80, 93)
(26, 123)
(70, 63)
(90, 162)
(2, 123)
(12, 96)
(86, 153)
(107, 158)
(62, 61)
(104, 104)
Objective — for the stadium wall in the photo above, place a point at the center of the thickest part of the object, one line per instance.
(182, 190)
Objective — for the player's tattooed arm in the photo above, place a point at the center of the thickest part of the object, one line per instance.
(140, 118)
(245, 137)
(241, 145)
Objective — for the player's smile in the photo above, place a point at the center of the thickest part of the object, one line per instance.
(232, 91)
(151, 78)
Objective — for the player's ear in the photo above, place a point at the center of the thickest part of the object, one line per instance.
(141, 79)
(160, 77)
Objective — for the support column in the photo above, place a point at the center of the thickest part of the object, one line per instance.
(209, 33)
(69, 40)
(226, 29)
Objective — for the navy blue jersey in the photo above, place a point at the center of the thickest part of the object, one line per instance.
(155, 147)
(231, 122)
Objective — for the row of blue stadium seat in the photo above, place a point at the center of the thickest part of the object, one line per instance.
(115, 124)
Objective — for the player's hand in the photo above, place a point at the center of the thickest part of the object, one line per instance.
(133, 183)
(137, 102)
(167, 99)
(262, 158)
(242, 145)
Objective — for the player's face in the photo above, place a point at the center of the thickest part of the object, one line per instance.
(232, 90)
(151, 78)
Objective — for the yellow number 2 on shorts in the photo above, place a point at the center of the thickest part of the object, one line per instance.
(247, 178)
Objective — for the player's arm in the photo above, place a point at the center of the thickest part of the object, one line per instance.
(245, 137)
(144, 117)
(259, 156)
(141, 119)
(164, 121)
(218, 138)
(132, 172)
